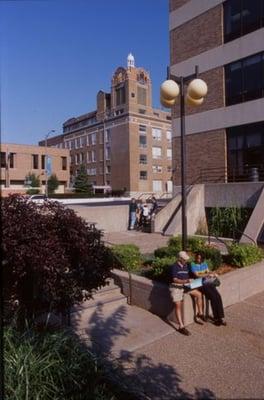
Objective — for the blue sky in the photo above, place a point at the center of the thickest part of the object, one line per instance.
(57, 54)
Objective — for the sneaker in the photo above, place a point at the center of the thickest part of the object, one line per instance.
(220, 322)
(198, 320)
(184, 331)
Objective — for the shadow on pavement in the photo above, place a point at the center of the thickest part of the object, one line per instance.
(134, 373)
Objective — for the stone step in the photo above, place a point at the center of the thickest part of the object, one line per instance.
(105, 296)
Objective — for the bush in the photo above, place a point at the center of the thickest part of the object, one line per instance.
(212, 256)
(168, 251)
(161, 269)
(32, 191)
(244, 254)
(127, 257)
(193, 243)
(50, 255)
(227, 221)
(52, 366)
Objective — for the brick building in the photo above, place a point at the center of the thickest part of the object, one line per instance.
(225, 135)
(18, 160)
(124, 143)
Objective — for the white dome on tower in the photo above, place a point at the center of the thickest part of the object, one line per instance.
(130, 61)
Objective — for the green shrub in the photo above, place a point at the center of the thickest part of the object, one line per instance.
(32, 191)
(161, 269)
(168, 251)
(52, 366)
(244, 254)
(227, 221)
(193, 243)
(212, 256)
(127, 256)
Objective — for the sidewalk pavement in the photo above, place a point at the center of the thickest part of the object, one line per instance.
(147, 242)
(212, 363)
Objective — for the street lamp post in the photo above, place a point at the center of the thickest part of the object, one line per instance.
(46, 159)
(170, 89)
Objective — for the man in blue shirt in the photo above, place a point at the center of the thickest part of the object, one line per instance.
(180, 278)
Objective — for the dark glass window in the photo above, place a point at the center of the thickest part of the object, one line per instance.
(64, 163)
(43, 161)
(242, 17)
(3, 159)
(245, 79)
(143, 175)
(11, 160)
(35, 161)
(142, 159)
(120, 95)
(142, 141)
(245, 146)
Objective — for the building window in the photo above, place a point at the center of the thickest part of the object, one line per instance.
(142, 128)
(143, 159)
(11, 160)
(142, 141)
(3, 159)
(108, 169)
(88, 154)
(169, 153)
(168, 136)
(156, 134)
(107, 153)
(107, 136)
(35, 161)
(132, 94)
(43, 157)
(156, 168)
(77, 158)
(156, 152)
(120, 96)
(242, 17)
(156, 114)
(72, 144)
(77, 143)
(169, 168)
(143, 175)
(245, 79)
(141, 111)
(142, 96)
(64, 163)
(72, 159)
(245, 150)
(83, 141)
(93, 156)
(157, 186)
(81, 158)
(168, 117)
(94, 138)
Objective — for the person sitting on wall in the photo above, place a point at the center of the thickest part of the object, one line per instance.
(180, 277)
(145, 214)
(199, 269)
(132, 213)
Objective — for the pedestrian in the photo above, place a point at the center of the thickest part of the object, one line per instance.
(132, 213)
(181, 277)
(145, 214)
(154, 206)
(199, 269)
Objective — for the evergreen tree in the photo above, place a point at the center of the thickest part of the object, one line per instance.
(81, 184)
(33, 182)
(53, 183)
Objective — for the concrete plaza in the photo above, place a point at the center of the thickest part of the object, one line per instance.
(212, 363)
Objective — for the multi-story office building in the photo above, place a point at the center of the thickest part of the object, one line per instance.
(124, 143)
(18, 161)
(225, 135)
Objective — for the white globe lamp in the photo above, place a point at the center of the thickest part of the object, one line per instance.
(169, 90)
(197, 89)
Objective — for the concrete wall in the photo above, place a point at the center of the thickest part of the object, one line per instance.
(155, 297)
(240, 194)
(107, 218)
(256, 221)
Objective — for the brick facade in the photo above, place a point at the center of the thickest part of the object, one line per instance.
(215, 97)
(200, 34)
(205, 157)
(174, 4)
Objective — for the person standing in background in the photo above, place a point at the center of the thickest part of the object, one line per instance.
(132, 213)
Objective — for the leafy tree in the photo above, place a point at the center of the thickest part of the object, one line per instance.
(34, 182)
(52, 258)
(82, 183)
(53, 183)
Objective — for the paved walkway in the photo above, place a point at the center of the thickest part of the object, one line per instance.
(147, 242)
(213, 363)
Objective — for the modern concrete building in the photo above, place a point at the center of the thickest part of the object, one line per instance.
(18, 160)
(225, 135)
(124, 143)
